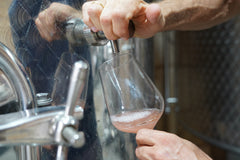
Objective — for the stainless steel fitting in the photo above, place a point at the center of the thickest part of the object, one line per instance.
(78, 32)
(50, 124)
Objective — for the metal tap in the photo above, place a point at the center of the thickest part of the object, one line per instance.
(77, 32)
(64, 127)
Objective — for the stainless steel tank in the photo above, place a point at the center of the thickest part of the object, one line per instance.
(42, 91)
(207, 64)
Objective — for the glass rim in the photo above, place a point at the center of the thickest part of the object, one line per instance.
(120, 54)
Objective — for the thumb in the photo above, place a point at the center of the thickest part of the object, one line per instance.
(154, 15)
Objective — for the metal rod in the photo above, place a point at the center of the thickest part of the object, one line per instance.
(62, 152)
(76, 86)
(115, 46)
(77, 82)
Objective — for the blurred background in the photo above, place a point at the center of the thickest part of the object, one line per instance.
(198, 74)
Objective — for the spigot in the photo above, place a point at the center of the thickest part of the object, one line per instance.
(77, 32)
(64, 127)
(78, 81)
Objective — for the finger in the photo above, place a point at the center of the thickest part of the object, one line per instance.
(42, 31)
(153, 14)
(108, 30)
(146, 153)
(50, 22)
(146, 137)
(86, 18)
(62, 12)
(92, 12)
(107, 26)
(58, 15)
(45, 25)
(120, 26)
(156, 153)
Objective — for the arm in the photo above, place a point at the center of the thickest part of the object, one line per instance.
(159, 145)
(197, 15)
(112, 16)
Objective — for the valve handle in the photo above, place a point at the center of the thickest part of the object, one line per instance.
(78, 80)
(78, 32)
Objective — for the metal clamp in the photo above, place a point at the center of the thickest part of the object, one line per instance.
(64, 130)
(79, 33)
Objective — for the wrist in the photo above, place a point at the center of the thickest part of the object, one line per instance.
(193, 152)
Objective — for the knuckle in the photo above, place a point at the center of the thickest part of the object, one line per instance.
(137, 152)
(37, 22)
(93, 10)
(53, 5)
(118, 14)
(41, 16)
(141, 132)
(85, 20)
(139, 135)
(123, 33)
(105, 20)
(111, 37)
(49, 38)
(157, 154)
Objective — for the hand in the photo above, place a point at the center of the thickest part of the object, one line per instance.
(159, 145)
(48, 19)
(113, 16)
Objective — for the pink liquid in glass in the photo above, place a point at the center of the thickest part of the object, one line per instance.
(132, 121)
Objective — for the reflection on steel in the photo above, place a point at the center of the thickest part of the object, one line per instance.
(16, 80)
(38, 126)
(30, 127)
(17, 129)
(7, 92)
(115, 46)
(43, 99)
(20, 91)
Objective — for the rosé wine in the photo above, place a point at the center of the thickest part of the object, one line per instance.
(132, 121)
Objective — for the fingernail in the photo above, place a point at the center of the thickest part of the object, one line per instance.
(94, 29)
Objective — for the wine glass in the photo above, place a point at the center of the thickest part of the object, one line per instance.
(133, 101)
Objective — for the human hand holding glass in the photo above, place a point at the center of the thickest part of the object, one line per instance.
(132, 99)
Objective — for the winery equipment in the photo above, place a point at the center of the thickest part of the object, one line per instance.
(44, 100)
(32, 125)
(207, 64)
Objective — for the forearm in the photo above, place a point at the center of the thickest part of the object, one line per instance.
(196, 14)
